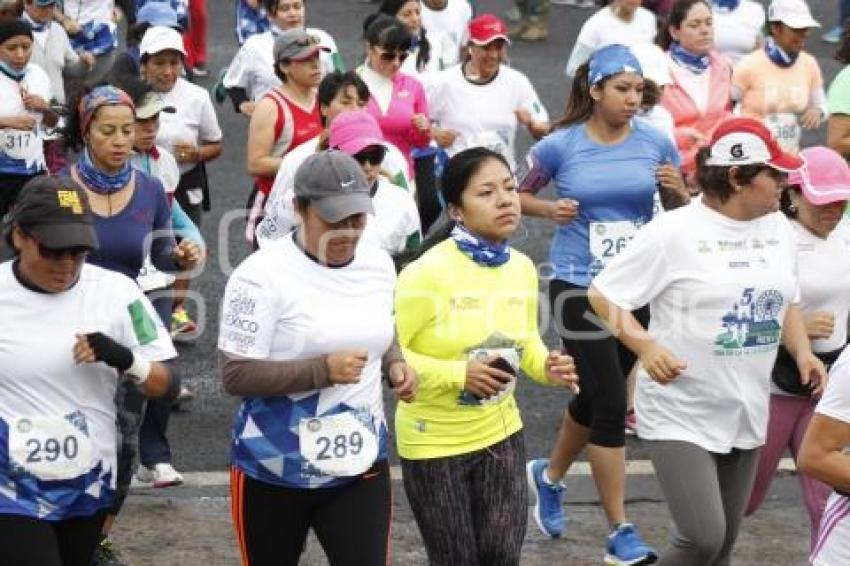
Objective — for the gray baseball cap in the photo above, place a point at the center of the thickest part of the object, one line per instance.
(336, 185)
(296, 45)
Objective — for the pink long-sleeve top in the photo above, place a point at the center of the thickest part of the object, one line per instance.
(407, 99)
(691, 119)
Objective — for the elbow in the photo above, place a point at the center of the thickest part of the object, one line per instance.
(158, 382)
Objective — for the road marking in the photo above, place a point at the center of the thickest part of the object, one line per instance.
(633, 468)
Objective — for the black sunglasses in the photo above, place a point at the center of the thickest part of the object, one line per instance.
(373, 155)
(75, 253)
(390, 56)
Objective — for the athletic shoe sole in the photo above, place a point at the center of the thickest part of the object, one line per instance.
(610, 560)
(532, 485)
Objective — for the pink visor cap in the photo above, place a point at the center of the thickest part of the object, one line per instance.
(354, 131)
(825, 178)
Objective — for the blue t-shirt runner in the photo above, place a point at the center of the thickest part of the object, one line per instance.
(614, 186)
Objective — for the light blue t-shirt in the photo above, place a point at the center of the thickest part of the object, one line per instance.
(614, 186)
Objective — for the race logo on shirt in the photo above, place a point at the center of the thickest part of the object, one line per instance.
(752, 324)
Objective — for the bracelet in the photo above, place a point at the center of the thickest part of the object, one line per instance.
(140, 370)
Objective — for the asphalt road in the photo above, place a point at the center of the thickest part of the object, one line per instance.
(200, 435)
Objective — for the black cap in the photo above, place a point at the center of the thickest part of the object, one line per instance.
(56, 211)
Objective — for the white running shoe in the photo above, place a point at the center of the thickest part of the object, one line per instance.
(162, 475)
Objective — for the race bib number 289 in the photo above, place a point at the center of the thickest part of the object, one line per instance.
(338, 445)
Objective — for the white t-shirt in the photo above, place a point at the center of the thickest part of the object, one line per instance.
(193, 121)
(833, 544)
(737, 32)
(483, 114)
(604, 28)
(22, 151)
(252, 67)
(660, 118)
(84, 11)
(443, 55)
(451, 21)
(696, 85)
(311, 311)
(57, 418)
(279, 212)
(396, 218)
(824, 266)
(718, 290)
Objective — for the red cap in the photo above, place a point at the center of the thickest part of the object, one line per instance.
(486, 28)
(746, 141)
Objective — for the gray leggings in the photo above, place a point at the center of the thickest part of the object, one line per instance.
(707, 494)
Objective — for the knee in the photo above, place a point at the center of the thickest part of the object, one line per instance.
(705, 544)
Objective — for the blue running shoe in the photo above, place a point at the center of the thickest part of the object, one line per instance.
(548, 499)
(626, 548)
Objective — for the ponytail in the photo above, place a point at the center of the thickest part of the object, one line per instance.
(580, 104)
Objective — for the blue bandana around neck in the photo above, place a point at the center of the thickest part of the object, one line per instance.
(11, 72)
(726, 5)
(97, 180)
(36, 26)
(697, 64)
(480, 250)
(778, 55)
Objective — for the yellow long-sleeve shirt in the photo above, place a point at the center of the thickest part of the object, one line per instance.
(448, 308)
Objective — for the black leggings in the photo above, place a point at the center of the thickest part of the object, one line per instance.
(427, 192)
(601, 361)
(471, 509)
(25, 541)
(352, 522)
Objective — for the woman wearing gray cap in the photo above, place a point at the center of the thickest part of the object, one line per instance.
(306, 352)
(287, 116)
(57, 414)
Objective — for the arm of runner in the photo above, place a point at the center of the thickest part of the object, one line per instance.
(822, 453)
(795, 338)
(838, 133)
(151, 377)
(261, 163)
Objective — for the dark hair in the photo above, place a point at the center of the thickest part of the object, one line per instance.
(380, 30)
(8, 228)
(270, 7)
(133, 85)
(678, 14)
(714, 179)
(136, 32)
(842, 54)
(579, 104)
(278, 72)
(785, 204)
(337, 81)
(457, 173)
(392, 8)
(651, 93)
(72, 133)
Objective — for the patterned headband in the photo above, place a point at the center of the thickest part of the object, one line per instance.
(107, 95)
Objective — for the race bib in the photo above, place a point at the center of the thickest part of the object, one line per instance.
(785, 129)
(338, 445)
(608, 239)
(50, 448)
(20, 144)
(511, 356)
(491, 140)
(151, 279)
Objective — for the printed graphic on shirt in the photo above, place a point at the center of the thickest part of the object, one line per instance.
(143, 325)
(497, 344)
(752, 324)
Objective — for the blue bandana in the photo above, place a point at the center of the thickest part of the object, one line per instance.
(479, 250)
(726, 5)
(12, 72)
(695, 63)
(36, 26)
(612, 60)
(97, 180)
(778, 55)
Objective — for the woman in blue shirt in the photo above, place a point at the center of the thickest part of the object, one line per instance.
(606, 167)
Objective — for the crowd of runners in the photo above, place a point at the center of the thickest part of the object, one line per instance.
(700, 254)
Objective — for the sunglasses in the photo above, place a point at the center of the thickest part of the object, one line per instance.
(390, 56)
(373, 155)
(75, 253)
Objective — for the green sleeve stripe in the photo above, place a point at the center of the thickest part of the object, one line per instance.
(143, 325)
(337, 61)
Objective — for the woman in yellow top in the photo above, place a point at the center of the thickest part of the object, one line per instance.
(466, 313)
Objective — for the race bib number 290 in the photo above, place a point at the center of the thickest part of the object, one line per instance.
(338, 445)
(50, 448)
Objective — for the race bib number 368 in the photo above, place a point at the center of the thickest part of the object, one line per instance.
(50, 448)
